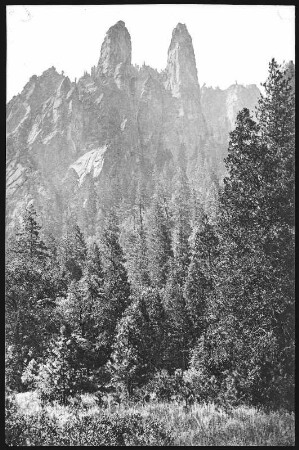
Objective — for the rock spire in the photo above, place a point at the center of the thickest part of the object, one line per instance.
(116, 50)
(181, 66)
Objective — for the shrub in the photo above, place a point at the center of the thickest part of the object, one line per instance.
(14, 425)
(97, 429)
(57, 377)
(114, 430)
(204, 387)
(166, 387)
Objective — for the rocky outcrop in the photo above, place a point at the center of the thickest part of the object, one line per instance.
(185, 125)
(66, 140)
(222, 106)
(181, 66)
(116, 52)
(150, 116)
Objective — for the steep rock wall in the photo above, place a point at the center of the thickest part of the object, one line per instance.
(115, 125)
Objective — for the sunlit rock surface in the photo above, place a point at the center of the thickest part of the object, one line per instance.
(118, 124)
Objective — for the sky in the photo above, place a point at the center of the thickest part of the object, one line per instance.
(231, 42)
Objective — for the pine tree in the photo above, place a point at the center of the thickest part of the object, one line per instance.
(73, 250)
(159, 238)
(255, 271)
(116, 281)
(93, 297)
(28, 284)
(80, 310)
(93, 271)
(116, 286)
(181, 224)
(92, 294)
(197, 209)
(275, 111)
(211, 197)
(135, 245)
(276, 114)
(139, 345)
(178, 323)
(200, 280)
(56, 378)
(241, 195)
(54, 271)
(27, 240)
(125, 363)
(84, 313)
(240, 305)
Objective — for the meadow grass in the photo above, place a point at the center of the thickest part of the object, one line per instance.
(200, 425)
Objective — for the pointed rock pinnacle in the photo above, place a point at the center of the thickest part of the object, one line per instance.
(116, 49)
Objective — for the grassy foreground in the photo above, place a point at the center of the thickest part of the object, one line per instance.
(156, 424)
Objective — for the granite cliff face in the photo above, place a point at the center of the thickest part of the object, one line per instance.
(181, 66)
(68, 142)
(185, 123)
(116, 51)
(221, 106)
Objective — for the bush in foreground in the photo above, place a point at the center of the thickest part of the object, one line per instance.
(90, 429)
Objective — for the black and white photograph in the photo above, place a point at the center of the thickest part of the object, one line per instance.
(150, 225)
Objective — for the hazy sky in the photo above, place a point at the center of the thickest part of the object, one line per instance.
(231, 43)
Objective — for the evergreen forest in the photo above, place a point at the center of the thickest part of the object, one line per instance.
(166, 303)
